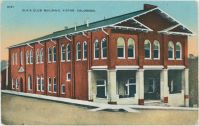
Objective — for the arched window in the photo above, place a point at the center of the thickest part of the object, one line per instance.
(38, 84)
(104, 48)
(41, 55)
(156, 50)
(170, 50)
(131, 48)
(147, 49)
(85, 50)
(54, 85)
(63, 53)
(21, 58)
(49, 55)
(178, 50)
(49, 84)
(120, 48)
(29, 82)
(78, 51)
(68, 52)
(37, 56)
(31, 57)
(17, 84)
(96, 49)
(54, 54)
(27, 57)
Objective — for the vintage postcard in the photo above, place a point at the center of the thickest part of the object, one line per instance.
(99, 62)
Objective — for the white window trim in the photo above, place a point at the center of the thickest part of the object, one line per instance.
(172, 51)
(54, 84)
(42, 78)
(62, 46)
(62, 90)
(67, 46)
(41, 56)
(84, 50)
(54, 47)
(94, 49)
(67, 78)
(21, 57)
(123, 50)
(133, 49)
(179, 50)
(128, 84)
(103, 85)
(102, 52)
(49, 84)
(158, 50)
(77, 51)
(149, 50)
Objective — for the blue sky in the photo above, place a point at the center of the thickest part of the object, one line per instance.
(18, 26)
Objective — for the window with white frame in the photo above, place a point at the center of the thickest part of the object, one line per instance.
(17, 84)
(85, 50)
(49, 84)
(29, 83)
(27, 57)
(120, 47)
(68, 52)
(156, 49)
(15, 58)
(78, 51)
(104, 48)
(68, 76)
(131, 48)
(37, 56)
(130, 87)
(96, 49)
(41, 55)
(101, 88)
(178, 51)
(49, 55)
(31, 57)
(38, 84)
(21, 58)
(147, 49)
(170, 50)
(54, 54)
(63, 52)
(63, 90)
(13, 86)
(54, 85)
(42, 83)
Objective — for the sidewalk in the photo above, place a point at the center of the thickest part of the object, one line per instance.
(97, 106)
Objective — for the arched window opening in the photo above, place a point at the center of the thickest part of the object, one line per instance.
(131, 48)
(120, 48)
(96, 49)
(147, 49)
(170, 50)
(178, 50)
(156, 50)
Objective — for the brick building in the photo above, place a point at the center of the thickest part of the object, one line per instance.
(127, 59)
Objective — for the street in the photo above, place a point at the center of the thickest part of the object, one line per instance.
(30, 111)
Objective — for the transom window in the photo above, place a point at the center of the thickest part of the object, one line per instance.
(120, 48)
(170, 50)
(147, 49)
(131, 48)
(178, 50)
(85, 50)
(104, 48)
(96, 49)
(63, 53)
(78, 51)
(156, 50)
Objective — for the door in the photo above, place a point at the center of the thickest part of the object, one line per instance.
(21, 85)
(152, 89)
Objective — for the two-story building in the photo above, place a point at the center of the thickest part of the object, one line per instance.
(127, 59)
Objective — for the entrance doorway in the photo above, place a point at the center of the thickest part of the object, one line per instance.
(21, 85)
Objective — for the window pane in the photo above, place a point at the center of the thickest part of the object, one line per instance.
(54, 54)
(155, 55)
(120, 52)
(130, 52)
(105, 52)
(170, 54)
(63, 88)
(147, 54)
(96, 53)
(178, 54)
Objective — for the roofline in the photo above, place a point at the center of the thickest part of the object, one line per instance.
(178, 33)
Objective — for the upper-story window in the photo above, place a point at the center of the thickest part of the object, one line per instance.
(170, 50)
(96, 49)
(68, 52)
(15, 58)
(68, 76)
(21, 58)
(54, 54)
(54, 85)
(156, 50)
(29, 82)
(85, 50)
(27, 57)
(31, 57)
(63, 53)
(49, 55)
(131, 48)
(78, 51)
(178, 50)
(37, 56)
(41, 55)
(104, 48)
(120, 48)
(147, 49)
(42, 83)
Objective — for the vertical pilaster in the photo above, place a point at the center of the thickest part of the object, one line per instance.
(140, 86)
(112, 90)
(90, 92)
(164, 85)
(186, 87)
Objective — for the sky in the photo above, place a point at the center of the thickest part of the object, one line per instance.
(19, 25)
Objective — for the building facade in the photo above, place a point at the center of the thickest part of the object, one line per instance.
(127, 59)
